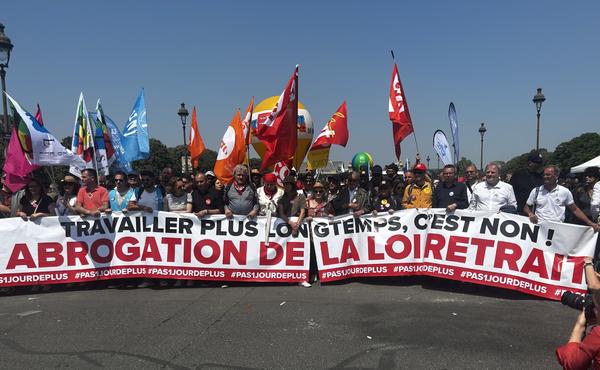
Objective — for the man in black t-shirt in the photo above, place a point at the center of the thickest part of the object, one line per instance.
(206, 200)
(525, 179)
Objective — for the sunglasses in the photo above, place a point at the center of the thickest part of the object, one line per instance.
(146, 179)
(319, 191)
(119, 180)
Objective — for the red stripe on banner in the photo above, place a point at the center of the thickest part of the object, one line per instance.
(159, 272)
(495, 279)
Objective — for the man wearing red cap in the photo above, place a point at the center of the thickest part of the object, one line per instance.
(268, 195)
(419, 193)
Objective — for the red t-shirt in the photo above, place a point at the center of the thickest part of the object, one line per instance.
(581, 355)
(92, 200)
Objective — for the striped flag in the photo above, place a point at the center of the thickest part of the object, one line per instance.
(83, 138)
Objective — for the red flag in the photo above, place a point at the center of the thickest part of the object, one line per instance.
(247, 121)
(335, 131)
(232, 150)
(196, 145)
(399, 114)
(279, 132)
(16, 166)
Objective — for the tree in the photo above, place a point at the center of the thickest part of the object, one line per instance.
(520, 161)
(462, 165)
(576, 151)
(159, 158)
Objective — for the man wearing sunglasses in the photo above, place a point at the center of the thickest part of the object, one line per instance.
(122, 198)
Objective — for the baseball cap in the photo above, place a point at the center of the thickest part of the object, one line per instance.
(535, 157)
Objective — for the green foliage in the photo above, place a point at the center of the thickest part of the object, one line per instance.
(462, 165)
(576, 151)
(520, 161)
(159, 158)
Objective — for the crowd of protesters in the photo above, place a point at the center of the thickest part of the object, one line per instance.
(535, 192)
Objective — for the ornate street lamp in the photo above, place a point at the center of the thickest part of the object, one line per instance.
(183, 113)
(5, 49)
(482, 131)
(538, 99)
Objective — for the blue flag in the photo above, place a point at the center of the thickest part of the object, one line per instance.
(454, 129)
(115, 137)
(135, 140)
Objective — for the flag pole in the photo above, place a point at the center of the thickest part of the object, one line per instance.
(417, 157)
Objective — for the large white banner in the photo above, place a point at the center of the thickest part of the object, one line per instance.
(160, 245)
(489, 248)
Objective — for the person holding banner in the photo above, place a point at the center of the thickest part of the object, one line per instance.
(122, 198)
(317, 206)
(92, 199)
(268, 195)
(35, 203)
(206, 200)
(337, 198)
(450, 194)
(549, 201)
(471, 179)
(67, 198)
(580, 352)
(291, 204)
(178, 200)
(493, 194)
(385, 201)
(419, 193)
(357, 195)
(150, 197)
(239, 197)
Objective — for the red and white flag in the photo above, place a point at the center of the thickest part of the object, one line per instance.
(399, 114)
(279, 132)
(334, 132)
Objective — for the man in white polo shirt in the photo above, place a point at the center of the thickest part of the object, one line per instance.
(493, 194)
(550, 200)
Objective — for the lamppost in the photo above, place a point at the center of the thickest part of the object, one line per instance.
(538, 99)
(183, 113)
(5, 48)
(482, 131)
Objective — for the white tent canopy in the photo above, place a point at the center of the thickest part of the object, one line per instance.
(591, 163)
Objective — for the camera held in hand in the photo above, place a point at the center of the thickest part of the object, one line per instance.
(580, 302)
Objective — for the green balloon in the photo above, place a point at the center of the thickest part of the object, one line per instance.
(362, 159)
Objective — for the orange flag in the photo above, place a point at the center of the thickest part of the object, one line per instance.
(232, 150)
(196, 145)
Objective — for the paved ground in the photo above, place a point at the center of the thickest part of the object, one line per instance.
(404, 323)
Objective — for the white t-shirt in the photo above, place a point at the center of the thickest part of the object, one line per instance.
(550, 205)
(595, 203)
(148, 199)
(486, 197)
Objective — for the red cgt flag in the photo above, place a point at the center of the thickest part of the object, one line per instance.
(279, 131)
(399, 114)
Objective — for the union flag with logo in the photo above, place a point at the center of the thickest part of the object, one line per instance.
(334, 132)
(399, 114)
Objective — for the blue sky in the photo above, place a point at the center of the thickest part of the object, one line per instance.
(486, 57)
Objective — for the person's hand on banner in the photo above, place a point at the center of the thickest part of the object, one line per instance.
(451, 208)
(202, 213)
(108, 211)
(252, 214)
(533, 218)
(228, 213)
